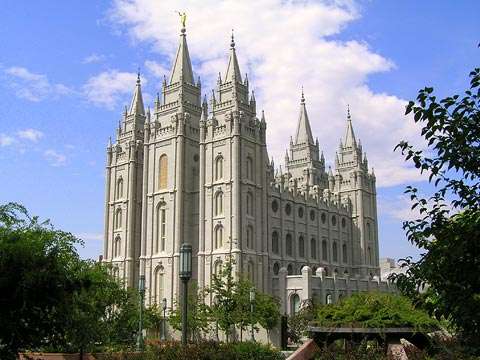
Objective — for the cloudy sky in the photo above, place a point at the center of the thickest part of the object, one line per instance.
(68, 68)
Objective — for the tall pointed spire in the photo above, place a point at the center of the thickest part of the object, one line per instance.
(304, 132)
(136, 107)
(349, 134)
(182, 67)
(233, 70)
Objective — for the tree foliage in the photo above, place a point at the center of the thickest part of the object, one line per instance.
(52, 299)
(448, 229)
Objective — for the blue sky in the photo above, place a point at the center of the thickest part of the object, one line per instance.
(67, 69)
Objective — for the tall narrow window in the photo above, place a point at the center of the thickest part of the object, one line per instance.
(159, 285)
(369, 232)
(116, 274)
(334, 252)
(118, 218)
(218, 237)
(163, 172)
(249, 168)
(289, 269)
(251, 272)
(250, 237)
(117, 245)
(344, 253)
(219, 203)
(276, 269)
(249, 204)
(289, 245)
(275, 245)
(219, 168)
(301, 246)
(370, 257)
(324, 250)
(161, 229)
(313, 248)
(217, 268)
(294, 304)
(119, 191)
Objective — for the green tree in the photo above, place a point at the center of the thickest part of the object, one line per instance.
(198, 314)
(448, 230)
(268, 310)
(52, 299)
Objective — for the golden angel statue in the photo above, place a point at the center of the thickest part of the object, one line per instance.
(183, 18)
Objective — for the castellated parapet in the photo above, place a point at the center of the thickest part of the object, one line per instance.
(197, 171)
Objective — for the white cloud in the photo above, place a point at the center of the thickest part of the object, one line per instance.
(30, 134)
(156, 68)
(109, 87)
(284, 45)
(6, 140)
(33, 87)
(93, 58)
(54, 158)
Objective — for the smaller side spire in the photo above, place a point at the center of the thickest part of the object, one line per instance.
(136, 107)
(233, 70)
(349, 133)
(304, 131)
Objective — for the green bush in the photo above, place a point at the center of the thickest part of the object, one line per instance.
(374, 310)
(210, 350)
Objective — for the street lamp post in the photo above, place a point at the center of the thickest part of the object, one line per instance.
(185, 275)
(164, 323)
(141, 290)
(252, 305)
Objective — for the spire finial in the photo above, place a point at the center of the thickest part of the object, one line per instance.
(138, 75)
(303, 97)
(348, 112)
(183, 21)
(232, 42)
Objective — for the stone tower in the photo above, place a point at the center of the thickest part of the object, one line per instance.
(170, 182)
(232, 179)
(356, 185)
(124, 174)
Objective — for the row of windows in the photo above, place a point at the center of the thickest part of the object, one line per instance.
(290, 269)
(313, 247)
(218, 208)
(323, 217)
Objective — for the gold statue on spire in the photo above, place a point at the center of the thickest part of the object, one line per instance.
(183, 18)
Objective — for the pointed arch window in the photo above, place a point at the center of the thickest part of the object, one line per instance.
(324, 250)
(119, 189)
(289, 245)
(117, 246)
(163, 172)
(344, 253)
(249, 203)
(294, 304)
(289, 269)
(275, 243)
(370, 257)
(217, 268)
(118, 219)
(369, 232)
(301, 246)
(250, 243)
(334, 252)
(313, 248)
(161, 229)
(219, 203)
(218, 236)
(276, 268)
(219, 168)
(159, 285)
(249, 168)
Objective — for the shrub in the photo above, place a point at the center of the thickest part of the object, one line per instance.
(376, 310)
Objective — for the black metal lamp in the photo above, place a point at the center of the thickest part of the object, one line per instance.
(164, 324)
(141, 290)
(185, 274)
(252, 308)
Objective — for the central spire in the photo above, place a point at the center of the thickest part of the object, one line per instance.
(304, 132)
(182, 67)
(233, 70)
